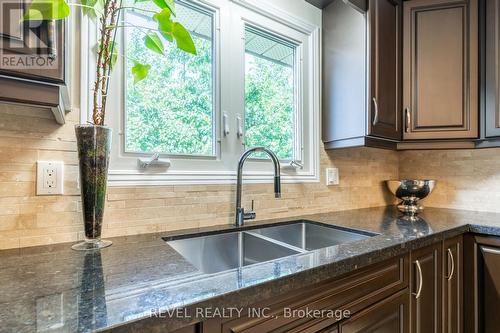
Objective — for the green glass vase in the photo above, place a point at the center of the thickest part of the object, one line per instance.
(94, 146)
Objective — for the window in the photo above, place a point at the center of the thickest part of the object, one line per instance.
(173, 111)
(270, 93)
(254, 82)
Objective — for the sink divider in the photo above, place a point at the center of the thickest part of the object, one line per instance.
(277, 242)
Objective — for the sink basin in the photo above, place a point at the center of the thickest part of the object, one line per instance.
(310, 236)
(228, 250)
(217, 253)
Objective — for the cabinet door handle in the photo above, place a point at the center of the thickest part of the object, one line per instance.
(450, 257)
(420, 280)
(408, 120)
(375, 117)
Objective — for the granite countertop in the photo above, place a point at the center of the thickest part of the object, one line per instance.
(56, 289)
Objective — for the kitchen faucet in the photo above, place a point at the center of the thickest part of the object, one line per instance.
(241, 216)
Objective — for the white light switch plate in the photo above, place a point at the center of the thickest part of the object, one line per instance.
(332, 176)
(49, 177)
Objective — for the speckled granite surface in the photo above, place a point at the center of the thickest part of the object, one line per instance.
(55, 289)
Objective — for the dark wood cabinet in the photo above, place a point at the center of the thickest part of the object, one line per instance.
(33, 64)
(385, 22)
(426, 286)
(489, 281)
(482, 298)
(453, 285)
(491, 117)
(440, 69)
(352, 293)
(362, 73)
(390, 315)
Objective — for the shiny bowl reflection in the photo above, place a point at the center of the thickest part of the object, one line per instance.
(410, 191)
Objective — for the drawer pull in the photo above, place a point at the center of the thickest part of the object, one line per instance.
(450, 256)
(408, 120)
(375, 117)
(420, 280)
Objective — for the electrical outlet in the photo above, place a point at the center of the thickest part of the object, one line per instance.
(332, 176)
(49, 177)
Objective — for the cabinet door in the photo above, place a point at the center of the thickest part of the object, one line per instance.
(492, 97)
(389, 315)
(385, 23)
(489, 288)
(440, 69)
(452, 285)
(30, 50)
(425, 284)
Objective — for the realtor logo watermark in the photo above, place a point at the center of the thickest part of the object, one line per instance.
(26, 44)
(252, 312)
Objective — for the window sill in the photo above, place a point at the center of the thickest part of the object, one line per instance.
(117, 178)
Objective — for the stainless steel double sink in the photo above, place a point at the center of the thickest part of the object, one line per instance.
(228, 250)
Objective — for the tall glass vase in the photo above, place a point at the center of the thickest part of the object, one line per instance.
(94, 145)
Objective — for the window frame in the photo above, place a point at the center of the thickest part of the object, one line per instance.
(201, 170)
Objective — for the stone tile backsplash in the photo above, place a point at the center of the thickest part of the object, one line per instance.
(467, 179)
(30, 134)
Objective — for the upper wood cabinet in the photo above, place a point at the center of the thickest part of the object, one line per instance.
(362, 73)
(33, 66)
(491, 117)
(385, 17)
(440, 69)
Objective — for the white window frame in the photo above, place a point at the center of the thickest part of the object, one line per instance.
(229, 51)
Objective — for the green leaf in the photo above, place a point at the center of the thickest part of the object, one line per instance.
(164, 24)
(140, 71)
(166, 4)
(47, 10)
(183, 38)
(96, 6)
(153, 42)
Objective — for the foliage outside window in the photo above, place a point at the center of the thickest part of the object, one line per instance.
(173, 111)
(269, 93)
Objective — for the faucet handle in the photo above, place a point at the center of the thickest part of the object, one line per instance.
(251, 215)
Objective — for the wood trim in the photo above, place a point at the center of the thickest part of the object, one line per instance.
(363, 141)
(435, 144)
(25, 92)
(470, 280)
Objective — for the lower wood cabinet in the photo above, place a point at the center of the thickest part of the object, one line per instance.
(437, 287)
(453, 285)
(482, 298)
(426, 289)
(352, 293)
(390, 315)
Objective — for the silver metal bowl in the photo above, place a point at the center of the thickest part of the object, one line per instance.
(410, 191)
